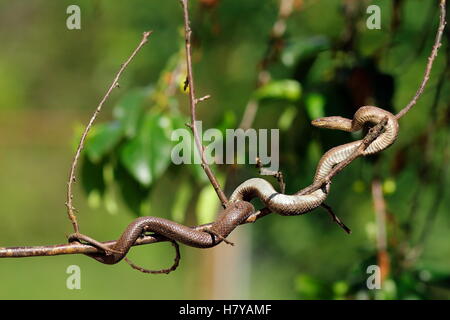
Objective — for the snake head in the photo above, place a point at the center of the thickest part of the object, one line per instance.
(335, 122)
(319, 122)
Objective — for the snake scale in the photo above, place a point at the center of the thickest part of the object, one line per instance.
(240, 208)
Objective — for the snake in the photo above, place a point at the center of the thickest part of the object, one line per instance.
(232, 216)
(298, 203)
(240, 208)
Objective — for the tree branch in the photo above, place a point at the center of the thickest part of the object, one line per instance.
(69, 202)
(431, 58)
(193, 106)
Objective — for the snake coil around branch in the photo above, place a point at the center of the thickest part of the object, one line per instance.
(239, 207)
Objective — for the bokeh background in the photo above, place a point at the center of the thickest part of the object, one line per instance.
(312, 58)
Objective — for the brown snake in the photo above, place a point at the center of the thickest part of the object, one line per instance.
(239, 207)
(297, 204)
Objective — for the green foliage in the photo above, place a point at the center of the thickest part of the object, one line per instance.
(280, 89)
(103, 139)
(287, 118)
(92, 177)
(315, 104)
(147, 155)
(129, 111)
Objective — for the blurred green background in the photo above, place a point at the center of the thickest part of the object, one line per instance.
(326, 62)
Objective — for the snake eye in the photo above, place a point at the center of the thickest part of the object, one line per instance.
(318, 122)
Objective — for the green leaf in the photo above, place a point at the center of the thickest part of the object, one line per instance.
(179, 122)
(287, 117)
(280, 89)
(129, 110)
(133, 193)
(147, 155)
(104, 138)
(92, 181)
(315, 104)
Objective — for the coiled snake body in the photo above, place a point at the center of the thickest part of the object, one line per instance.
(297, 204)
(239, 207)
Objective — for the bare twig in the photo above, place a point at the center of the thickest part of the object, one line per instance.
(215, 234)
(176, 262)
(193, 104)
(69, 202)
(431, 58)
(335, 218)
(277, 174)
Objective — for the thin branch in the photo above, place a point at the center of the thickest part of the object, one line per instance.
(431, 58)
(277, 174)
(193, 106)
(69, 202)
(335, 218)
(176, 262)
